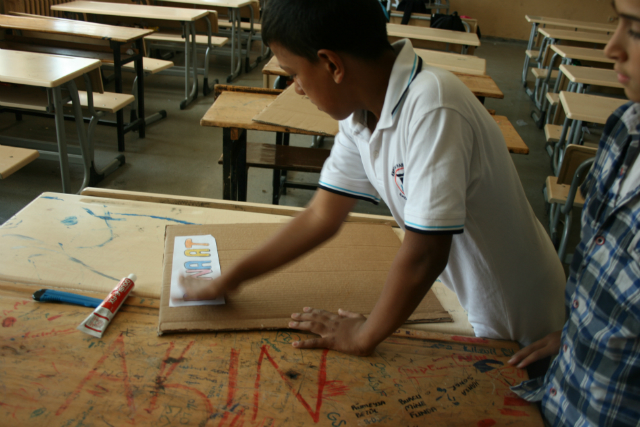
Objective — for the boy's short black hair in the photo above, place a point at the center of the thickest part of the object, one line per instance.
(355, 27)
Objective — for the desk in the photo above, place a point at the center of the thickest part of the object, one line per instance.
(581, 77)
(234, 112)
(481, 85)
(551, 37)
(234, 7)
(186, 16)
(464, 39)
(578, 108)
(568, 54)
(54, 72)
(114, 37)
(53, 374)
(536, 21)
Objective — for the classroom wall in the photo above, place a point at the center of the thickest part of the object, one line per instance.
(505, 18)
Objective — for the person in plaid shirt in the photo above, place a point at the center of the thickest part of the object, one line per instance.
(595, 378)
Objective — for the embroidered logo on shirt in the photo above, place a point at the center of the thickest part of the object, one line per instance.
(397, 173)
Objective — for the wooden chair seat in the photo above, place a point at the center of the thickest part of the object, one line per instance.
(558, 193)
(110, 102)
(553, 98)
(35, 99)
(224, 23)
(15, 158)
(541, 73)
(552, 132)
(177, 38)
(533, 54)
(284, 157)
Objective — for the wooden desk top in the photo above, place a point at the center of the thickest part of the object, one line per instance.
(233, 4)
(433, 34)
(73, 28)
(569, 23)
(467, 64)
(132, 10)
(589, 108)
(42, 70)
(514, 141)
(576, 36)
(581, 53)
(480, 85)
(591, 76)
(237, 110)
(53, 374)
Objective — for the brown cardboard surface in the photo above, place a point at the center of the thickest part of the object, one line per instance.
(296, 111)
(346, 272)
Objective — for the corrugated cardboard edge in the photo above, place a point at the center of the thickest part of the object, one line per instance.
(297, 112)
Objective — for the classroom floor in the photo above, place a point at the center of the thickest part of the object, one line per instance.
(178, 156)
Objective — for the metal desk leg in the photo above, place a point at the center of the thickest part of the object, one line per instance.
(140, 83)
(190, 59)
(532, 37)
(61, 137)
(236, 45)
(206, 89)
(117, 68)
(234, 164)
(241, 164)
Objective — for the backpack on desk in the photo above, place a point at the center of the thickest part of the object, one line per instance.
(410, 6)
(447, 22)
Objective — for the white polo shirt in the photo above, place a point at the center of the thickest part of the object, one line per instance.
(440, 162)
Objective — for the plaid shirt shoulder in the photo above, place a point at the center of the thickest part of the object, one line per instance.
(595, 380)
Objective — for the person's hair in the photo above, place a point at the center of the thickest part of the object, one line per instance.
(355, 27)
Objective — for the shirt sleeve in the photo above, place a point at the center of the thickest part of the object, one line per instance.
(343, 172)
(437, 172)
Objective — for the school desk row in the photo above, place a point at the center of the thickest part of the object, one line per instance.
(574, 93)
(54, 374)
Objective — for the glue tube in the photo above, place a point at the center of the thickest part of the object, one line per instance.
(98, 321)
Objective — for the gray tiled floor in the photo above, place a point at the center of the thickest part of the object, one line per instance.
(178, 156)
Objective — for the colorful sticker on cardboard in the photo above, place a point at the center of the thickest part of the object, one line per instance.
(195, 256)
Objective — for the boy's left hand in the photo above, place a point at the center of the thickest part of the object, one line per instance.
(341, 332)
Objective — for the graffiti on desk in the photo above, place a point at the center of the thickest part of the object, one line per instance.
(52, 374)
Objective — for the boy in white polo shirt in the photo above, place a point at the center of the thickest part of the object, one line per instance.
(416, 137)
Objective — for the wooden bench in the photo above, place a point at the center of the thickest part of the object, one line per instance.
(13, 159)
(563, 192)
(285, 158)
(28, 98)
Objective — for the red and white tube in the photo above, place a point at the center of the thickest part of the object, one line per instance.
(98, 321)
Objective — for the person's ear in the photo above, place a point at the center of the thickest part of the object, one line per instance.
(332, 63)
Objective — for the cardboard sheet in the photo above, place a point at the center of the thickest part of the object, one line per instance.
(346, 272)
(296, 111)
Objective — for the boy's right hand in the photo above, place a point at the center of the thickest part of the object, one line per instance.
(547, 346)
(197, 289)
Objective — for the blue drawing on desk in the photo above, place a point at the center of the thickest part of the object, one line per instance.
(70, 220)
(7, 225)
(20, 236)
(59, 252)
(108, 217)
(164, 218)
(52, 198)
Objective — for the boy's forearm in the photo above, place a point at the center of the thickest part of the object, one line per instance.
(312, 227)
(411, 276)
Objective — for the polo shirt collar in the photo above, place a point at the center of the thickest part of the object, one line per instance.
(402, 73)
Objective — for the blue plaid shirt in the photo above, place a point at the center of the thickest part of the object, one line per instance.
(595, 380)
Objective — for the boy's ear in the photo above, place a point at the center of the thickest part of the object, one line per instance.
(332, 62)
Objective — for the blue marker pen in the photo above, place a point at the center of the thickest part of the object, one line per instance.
(48, 295)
